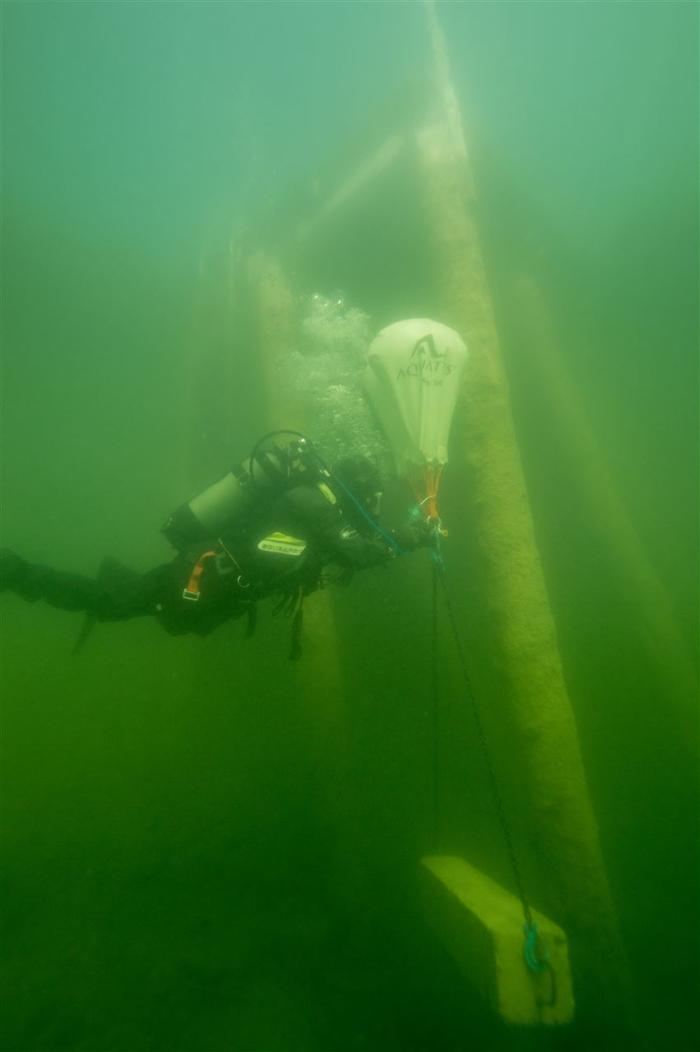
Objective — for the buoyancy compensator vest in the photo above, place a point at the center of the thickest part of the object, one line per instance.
(279, 460)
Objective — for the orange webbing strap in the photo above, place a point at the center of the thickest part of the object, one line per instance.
(426, 488)
(432, 484)
(192, 590)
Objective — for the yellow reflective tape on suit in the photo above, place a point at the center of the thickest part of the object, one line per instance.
(327, 492)
(282, 544)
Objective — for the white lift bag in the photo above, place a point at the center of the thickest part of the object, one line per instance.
(413, 376)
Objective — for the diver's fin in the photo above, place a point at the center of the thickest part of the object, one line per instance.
(89, 622)
(295, 650)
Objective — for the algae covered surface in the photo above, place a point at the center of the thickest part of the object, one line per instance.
(206, 215)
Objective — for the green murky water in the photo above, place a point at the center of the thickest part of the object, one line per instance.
(204, 849)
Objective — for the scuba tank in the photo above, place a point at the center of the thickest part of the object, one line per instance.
(202, 516)
(269, 468)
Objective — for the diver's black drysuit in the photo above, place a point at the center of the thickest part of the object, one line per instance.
(285, 549)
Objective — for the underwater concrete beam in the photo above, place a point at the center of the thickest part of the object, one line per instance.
(562, 825)
(612, 518)
(380, 160)
(273, 306)
(449, 100)
(319, 674)
(482, 926)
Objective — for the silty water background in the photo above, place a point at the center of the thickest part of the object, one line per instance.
(168, 840)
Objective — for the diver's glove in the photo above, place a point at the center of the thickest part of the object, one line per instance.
(412, 535)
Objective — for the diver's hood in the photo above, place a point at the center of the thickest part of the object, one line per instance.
(359, 482)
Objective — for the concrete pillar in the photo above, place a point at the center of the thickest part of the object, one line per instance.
(562, 823)
(318, 674)
(612, 519)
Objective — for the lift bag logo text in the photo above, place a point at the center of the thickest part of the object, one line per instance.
(426, 364)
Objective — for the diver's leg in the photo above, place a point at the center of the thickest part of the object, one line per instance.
(106, 600)
(32, 581)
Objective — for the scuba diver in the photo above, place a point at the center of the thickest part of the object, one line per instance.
(280, 524)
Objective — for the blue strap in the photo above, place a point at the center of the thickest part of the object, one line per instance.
(534, 962)
(435, 552)
(396, 548)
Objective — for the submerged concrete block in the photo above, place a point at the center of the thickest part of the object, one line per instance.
(481, 924)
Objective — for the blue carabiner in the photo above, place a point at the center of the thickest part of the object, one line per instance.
(534, 962)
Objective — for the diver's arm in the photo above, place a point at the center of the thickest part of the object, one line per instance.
(330, 530)
(355, 550)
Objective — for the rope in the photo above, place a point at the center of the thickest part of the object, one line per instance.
(495, 791)
(537, 960)
(391, 541)
(435, 687)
